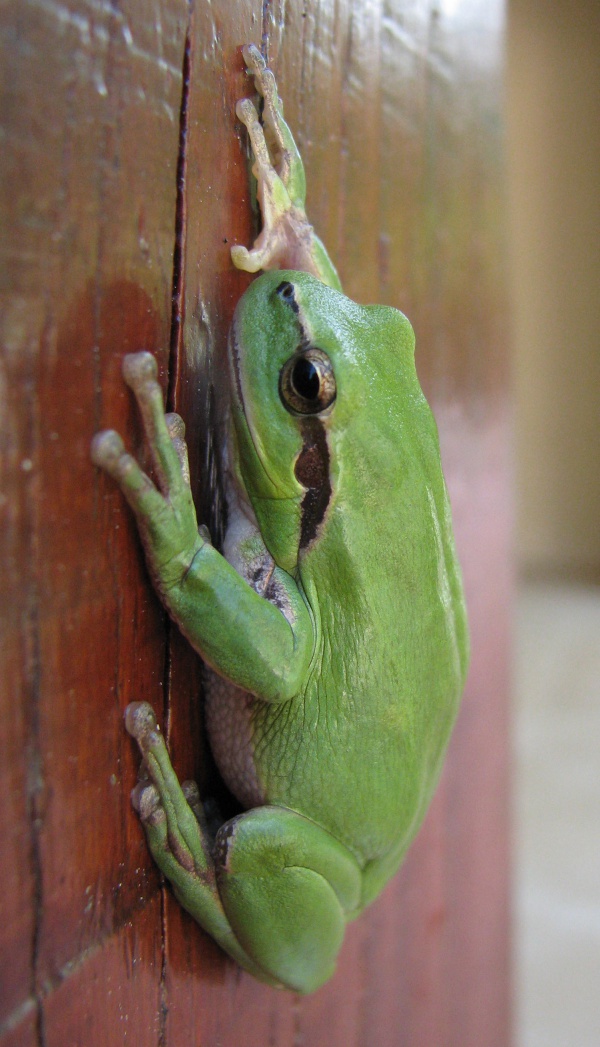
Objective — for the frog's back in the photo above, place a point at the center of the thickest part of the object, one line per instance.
(360, 750)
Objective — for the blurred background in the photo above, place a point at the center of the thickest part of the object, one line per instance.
(553, 140)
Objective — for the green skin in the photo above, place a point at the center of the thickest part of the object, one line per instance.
(335, 618)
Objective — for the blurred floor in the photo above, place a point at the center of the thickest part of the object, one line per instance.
(557, 803)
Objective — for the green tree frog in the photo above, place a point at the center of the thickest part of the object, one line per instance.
(333, 618)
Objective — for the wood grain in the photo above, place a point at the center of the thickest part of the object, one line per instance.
(125, 183)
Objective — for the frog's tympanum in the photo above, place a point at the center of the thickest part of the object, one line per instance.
(332, 619)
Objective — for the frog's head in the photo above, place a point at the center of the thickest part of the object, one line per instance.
(309, 368)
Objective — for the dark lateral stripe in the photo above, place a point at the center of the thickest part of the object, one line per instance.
(287, 293)
(234, 354)
(312, 471)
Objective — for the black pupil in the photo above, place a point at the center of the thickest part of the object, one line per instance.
(306, 380)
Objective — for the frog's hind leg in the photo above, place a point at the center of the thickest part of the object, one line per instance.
(176, 832)
(287, 239)
(286, 157)
(288, 888)
(273, 889)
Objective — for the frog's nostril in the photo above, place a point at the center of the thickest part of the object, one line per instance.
(286, 291)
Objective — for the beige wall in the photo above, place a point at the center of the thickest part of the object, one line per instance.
(553, 117)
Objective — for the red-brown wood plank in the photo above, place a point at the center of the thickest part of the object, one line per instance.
(113, 995)
(91, 118)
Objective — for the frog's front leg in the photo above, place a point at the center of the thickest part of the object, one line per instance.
(287, 239)
(274, 889)
(243, 636)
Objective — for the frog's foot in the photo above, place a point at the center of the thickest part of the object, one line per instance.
(273, 889)
(287, 240)
(279, 171)
(289, 164)
(164, 433)
(174, 824)
(163, 804)
(165, 512)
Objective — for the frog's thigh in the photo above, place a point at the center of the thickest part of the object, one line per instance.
(288, 888)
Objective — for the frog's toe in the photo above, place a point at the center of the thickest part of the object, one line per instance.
(253, 59)
(249, 261)
(264, 168)
(145, 799)
(141, 724)
(246, 112)
(263, 77)
(106, 449)
(108, 452)
(139, 721)
(162, 804)
(191, 793)
(139, 367)
(176, 429)
(176, 426)
(164, 837)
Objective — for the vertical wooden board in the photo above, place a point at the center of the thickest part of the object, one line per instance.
(18, 679)
(114, 995)
(466, 379)
(219, 1004)
(90, 117)
(23, 1030)
(403, 963)
(123, 140)
(20, 662)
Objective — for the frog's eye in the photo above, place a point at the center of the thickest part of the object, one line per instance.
(307, 382)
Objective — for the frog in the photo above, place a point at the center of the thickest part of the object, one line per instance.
(332, 619)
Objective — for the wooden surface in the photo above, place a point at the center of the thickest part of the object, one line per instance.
(124, 183)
